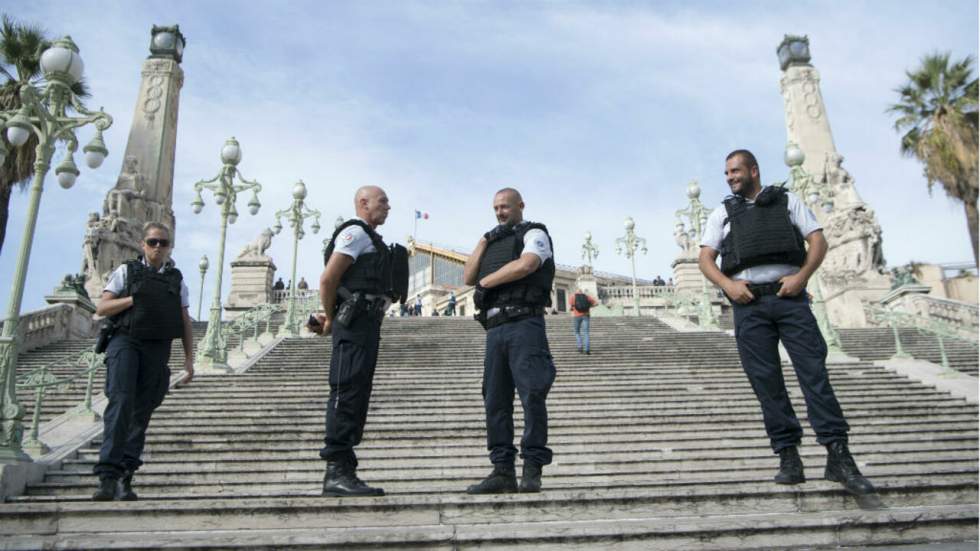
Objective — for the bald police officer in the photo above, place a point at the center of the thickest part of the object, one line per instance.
(357, 285)
(770, 245)
(146, 301)
(513, 268)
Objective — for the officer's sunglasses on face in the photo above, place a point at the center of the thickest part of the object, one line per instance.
(154, 242)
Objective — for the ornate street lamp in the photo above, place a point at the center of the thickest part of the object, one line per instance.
(212, 354)
(295, 215)
(203, 266)
(589, 250)
(697, 218)
(628, 245)
(814, 194)
(45, 114)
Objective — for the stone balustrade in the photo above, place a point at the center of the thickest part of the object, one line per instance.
(53, 323)
(282, 296)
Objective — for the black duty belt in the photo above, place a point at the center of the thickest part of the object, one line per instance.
(764, 289)
(506, 314)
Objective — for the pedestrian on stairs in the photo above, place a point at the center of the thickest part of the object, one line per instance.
(355, 295)
(513, 268)
(145, 301)
(770, 245)
(581, 305)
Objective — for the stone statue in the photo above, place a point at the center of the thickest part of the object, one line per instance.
(904, 275)
(258, 246)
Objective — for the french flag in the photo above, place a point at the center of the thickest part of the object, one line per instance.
(422, 215)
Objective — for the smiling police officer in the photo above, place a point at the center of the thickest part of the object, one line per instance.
(361, 278)
(146, 301)
(770, 245)
(513, 269)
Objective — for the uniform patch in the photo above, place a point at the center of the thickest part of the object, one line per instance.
(539, 244)
(347, 237)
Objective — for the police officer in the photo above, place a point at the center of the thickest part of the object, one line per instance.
(357, 285)
(770, 245)
(513, 268)
(146, 300)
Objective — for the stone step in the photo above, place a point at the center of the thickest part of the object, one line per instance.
(647, 531)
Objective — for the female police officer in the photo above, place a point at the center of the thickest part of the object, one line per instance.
(146, 300)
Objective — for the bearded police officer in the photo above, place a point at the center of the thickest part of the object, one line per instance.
(146, 303)
(361, 278)
(512, 268)
(770, 245)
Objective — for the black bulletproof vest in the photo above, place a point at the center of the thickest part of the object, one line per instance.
(383, 272)
(505, 244)
(156, 310)
(761, 233)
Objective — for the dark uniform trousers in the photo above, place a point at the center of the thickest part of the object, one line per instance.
(518, 357)
(353, 358)
(759, 326)
(137, 379)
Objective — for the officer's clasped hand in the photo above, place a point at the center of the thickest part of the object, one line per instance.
(738, 291)
(317, 323)
(792, 285)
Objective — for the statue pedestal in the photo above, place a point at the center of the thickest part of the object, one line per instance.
(587, 282)
(251, 284)
(687, 275)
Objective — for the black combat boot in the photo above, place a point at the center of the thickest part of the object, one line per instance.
(790, 467)
(341, 480)
(841, 468)
(531, 478)
(503, 480)
(125, 490)
(107, 489)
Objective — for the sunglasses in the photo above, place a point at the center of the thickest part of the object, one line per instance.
(153, 242)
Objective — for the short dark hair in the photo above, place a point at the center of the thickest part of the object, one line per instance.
(747, 157)
(155, 226)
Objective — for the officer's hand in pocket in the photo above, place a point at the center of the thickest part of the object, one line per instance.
(792, 286)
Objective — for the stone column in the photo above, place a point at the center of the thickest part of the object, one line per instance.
(854, 270)
(144, 189)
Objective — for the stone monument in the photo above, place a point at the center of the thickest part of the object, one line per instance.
(687, 275)
(251, 276)
(143, 191)
(586, 280)
(854, 270)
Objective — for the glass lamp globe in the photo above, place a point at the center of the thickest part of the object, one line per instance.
(629, 224)
(231, 153)
(17, 135)
(62, 59)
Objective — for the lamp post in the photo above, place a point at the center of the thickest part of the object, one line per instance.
(628, 245)
(45, 114)
(295, 215)
(814, 194)
(203, 266)
(212, 354)
(697, 218)
(589, 250)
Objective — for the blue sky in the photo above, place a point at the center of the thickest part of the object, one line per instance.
(594, 110)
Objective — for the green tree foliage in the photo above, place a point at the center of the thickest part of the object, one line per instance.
(937, 114)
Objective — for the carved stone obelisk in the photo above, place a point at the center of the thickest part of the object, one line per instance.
(853, 272)
(144, 189)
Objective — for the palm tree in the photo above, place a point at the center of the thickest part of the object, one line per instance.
(938, 114)
(20, 63)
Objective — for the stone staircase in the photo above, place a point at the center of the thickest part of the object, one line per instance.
(658, 444)
(59, 399)
(878, 343)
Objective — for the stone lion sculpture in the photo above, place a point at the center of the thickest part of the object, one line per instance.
(259, 245)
